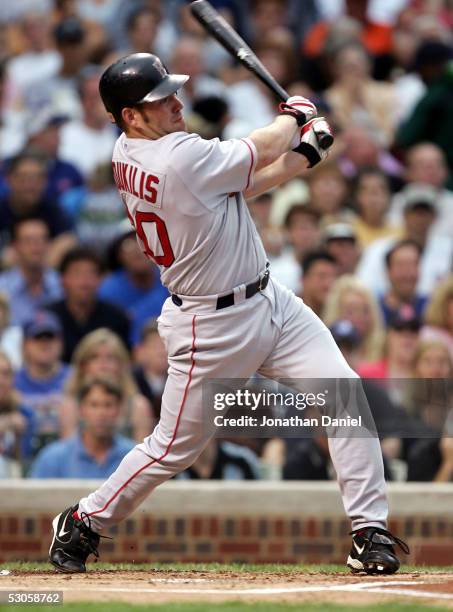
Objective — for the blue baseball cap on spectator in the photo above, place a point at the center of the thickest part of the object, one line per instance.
(69, 31)
(405, 318)
(344, 332)
(43, 322)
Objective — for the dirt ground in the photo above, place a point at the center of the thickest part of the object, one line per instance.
(164, 586)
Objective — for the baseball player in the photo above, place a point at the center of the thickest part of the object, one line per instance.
(226, 317)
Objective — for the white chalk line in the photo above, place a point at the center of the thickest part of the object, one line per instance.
(357, 586)
(179, 580)
(410, 593)
(354, 587)
(383, 588)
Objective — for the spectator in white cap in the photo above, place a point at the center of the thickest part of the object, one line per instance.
(60, 90)
(419, 215)
(39, 62)
(426, 167)
(340, 241)
(44, 136)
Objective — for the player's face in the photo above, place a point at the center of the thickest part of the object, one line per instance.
(157, 119)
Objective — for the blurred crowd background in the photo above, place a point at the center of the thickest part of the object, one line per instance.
(365, 238)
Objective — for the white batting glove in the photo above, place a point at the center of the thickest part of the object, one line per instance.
(298, 107)
(307, 140)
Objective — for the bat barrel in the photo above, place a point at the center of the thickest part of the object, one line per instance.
(214, 23)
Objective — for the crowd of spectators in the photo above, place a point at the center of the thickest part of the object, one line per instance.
(365, 238)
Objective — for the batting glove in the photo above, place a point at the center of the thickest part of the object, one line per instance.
(298, 107)
(308, 144)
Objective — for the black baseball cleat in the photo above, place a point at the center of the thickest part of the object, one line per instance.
(72, 542)
(372, 551)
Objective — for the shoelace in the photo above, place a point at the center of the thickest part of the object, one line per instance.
(88, 533)
(401, 543)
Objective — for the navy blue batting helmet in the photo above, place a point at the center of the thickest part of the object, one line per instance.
(137, 78)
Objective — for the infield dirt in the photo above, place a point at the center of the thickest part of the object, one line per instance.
(159, 586)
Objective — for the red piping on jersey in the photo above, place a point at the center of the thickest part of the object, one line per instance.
(175, 432)
(251, 165)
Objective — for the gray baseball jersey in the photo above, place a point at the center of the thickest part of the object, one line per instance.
(183, 196)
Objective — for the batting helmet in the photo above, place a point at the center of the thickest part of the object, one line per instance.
(136, 78)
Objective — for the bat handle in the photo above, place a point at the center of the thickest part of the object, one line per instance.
(325, 140)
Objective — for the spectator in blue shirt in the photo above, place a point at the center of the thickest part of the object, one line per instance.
(42, 378)
(134, 283)
(26, 180)
(30, 284)
(96, 450)
(148, 308)
(403, 269)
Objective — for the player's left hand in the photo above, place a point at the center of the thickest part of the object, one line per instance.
(308, 144)
(302, 109)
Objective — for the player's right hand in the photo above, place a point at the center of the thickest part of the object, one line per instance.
(308, 136)
(298, 107)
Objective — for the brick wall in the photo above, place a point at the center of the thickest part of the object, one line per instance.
(253, 524)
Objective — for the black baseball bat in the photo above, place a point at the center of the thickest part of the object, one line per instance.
(216, 25)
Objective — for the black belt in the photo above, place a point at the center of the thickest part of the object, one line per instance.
(228, 300)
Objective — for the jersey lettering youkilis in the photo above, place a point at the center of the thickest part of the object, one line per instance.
(184, 197)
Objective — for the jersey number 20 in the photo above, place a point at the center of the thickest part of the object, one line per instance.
(167, 257)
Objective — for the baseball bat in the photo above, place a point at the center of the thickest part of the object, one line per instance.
(216, 25)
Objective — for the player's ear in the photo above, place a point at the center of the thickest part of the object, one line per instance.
(129, 116)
